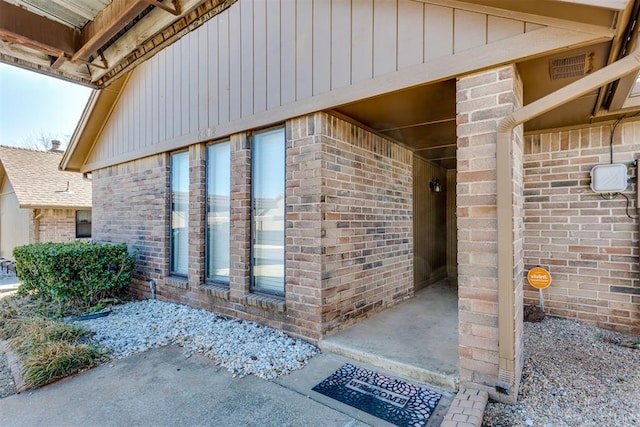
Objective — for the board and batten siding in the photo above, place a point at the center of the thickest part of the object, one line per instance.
(260, 55)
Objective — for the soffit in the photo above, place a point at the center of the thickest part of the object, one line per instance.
(93, 42)
(424, 118)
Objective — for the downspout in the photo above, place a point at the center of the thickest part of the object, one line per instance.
(504, 166)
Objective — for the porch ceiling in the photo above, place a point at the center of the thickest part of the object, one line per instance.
(424, 118)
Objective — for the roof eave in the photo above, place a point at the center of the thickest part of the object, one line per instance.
(71, 206)
(94, 116)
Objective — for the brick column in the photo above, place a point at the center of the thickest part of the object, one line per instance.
(197, 201)
(240, 245)
(484, 99)
(304, 219)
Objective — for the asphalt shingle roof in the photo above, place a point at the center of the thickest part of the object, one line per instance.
(38, 183)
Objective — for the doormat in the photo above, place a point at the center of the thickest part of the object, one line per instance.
(396, 401)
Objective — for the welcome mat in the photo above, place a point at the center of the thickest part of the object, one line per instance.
(396, 401)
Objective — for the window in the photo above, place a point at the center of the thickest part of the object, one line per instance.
(268, 225)
(83, 224)
(180, 213)
(218, 211)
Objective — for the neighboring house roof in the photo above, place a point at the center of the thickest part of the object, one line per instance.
(38, 183)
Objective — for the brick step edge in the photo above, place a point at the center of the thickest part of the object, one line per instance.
(467, 409)
(14, 365)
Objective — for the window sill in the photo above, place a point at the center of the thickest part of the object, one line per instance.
(177, 282)
(265, 302)
(216, 291)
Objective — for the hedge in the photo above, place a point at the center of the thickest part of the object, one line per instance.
(78, 273)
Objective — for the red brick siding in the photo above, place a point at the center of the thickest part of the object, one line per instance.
(367, 222)
(57, 225)
(588, 244)
(348, 234)
(130, 205)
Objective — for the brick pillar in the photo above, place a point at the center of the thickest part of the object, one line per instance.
(484, 99)
(197, 204)
(304, 216)
(240, 228)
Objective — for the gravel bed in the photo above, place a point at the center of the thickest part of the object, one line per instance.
(242, 347)
(574, 375)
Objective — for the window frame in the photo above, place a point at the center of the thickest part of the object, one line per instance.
(79, 222)
(207, 248)
(172, 270)
(252, 230)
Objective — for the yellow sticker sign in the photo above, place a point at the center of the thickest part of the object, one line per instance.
(539, 278)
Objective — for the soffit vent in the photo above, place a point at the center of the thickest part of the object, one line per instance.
(572, 67)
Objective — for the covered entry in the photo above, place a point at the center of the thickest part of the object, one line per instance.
(417, 337)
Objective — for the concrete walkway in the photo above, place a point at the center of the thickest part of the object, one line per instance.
(8, 285)
(163, 388)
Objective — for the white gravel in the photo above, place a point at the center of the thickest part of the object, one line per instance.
(574, 374)
(242, 347)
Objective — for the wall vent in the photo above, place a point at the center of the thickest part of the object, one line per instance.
(574, 66)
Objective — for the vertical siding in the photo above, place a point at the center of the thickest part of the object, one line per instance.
(438, 31)
(247, 53)
(235, 62)
(288, 51)
(410, 33)
(260, 34)
(273, 54)
(361, 40)
(213, 79)
(304, 49)
(340, 48)
(429, 224)
(262, 54)
(470, 30)
(321, 47)
(385, 20)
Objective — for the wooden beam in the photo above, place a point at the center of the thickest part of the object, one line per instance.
(607, 4)
(107, 24)
(175, 10)
(24, 27)
(57, 63)
(154, 22)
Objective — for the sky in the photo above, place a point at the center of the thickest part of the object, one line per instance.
(33, 105)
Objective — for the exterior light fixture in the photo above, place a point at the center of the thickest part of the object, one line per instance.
(435, 185)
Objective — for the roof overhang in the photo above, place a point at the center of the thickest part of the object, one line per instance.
(95, 115)
(94, 42)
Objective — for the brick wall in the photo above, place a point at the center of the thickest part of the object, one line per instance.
(588, 243)
(483, 99)
(130, 204)
(367, 222)
(348, 231)
(57, 225)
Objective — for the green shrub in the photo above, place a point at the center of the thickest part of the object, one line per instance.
(79, 273)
